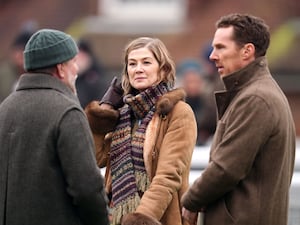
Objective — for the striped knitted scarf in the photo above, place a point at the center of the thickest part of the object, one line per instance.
(129, 177)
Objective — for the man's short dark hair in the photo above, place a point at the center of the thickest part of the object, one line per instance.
(247, 29)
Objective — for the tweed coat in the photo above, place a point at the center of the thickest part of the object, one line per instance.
(252, 155)
(169, 142)
(48, 170)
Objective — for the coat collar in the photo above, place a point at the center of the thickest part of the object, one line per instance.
(253, 71)
(44, 81)
(238, 80)
(167, 102)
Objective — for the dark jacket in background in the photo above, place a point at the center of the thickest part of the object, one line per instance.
(93, 81)
(48, 171)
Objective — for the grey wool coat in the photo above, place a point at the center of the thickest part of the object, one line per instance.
(48, 171)
(252, 156)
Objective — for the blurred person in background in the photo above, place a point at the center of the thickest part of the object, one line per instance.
(92, 80)
(48, 170)
(145, 137)
(11, 69)
(214, 82)
(193, 80)
(248, 178)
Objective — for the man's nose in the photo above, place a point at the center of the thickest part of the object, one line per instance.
(212, 56)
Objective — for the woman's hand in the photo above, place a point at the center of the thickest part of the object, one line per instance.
(114, 95)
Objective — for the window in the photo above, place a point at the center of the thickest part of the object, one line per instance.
(144, 10)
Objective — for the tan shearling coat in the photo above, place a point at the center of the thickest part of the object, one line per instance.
(169, 142)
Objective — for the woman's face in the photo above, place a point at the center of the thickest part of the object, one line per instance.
(142, 69)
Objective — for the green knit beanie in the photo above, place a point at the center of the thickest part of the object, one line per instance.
(47, 48)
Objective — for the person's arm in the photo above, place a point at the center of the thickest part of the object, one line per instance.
(103, 116)
(84, 182)
(102, 120)
(247, 128)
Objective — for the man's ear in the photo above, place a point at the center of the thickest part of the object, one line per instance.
(60, 71)
(248, 51)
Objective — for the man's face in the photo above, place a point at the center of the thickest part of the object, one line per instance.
(193, 83)
(70, 71)
(226, 54)
(17, 57)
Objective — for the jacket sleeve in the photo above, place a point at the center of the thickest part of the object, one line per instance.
(236, 144)
(102, 122)
(174, 160)
(84, 182)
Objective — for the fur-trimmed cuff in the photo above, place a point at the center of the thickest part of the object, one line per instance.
(101, 120)
(139, 219)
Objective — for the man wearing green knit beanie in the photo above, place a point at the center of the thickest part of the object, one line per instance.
(49, 173)
(52, 49)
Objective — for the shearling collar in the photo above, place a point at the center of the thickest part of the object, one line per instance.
(166, 103)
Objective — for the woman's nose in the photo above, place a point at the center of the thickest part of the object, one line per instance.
(139, 67)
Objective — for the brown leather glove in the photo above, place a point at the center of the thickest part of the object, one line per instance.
(114, 94)
(139, 219)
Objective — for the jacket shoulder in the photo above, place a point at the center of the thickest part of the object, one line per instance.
(168, 101)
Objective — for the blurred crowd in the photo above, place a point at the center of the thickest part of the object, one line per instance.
(199, 78)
